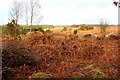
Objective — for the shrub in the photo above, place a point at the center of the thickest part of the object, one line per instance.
(41, 30)
(75, 31)
(75, 25)
(85, 27)
(4, 30)
(64, 29)
(49, 31)
(12, 28)
(81, 28)
(89, 28)
(24, 31)
(34, 29)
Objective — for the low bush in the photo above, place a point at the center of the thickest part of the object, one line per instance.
(86, 27)
(48, 31)
(75, 31)
(64, 29)
(37, 29)
(41, 30)
(24, 31)
(75, 25)
(4, 30)
(12, 28)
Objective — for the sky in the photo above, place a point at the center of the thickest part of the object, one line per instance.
(68, 12)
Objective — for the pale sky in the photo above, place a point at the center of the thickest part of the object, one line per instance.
(68, 12)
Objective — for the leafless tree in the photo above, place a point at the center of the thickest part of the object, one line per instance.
(35, 15)
(27, 9)
(16, 10)
(26, 12)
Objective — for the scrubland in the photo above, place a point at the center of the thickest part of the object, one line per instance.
(62, 54)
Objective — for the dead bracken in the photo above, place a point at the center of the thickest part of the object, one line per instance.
(47, 56)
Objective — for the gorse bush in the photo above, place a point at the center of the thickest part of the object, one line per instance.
(41, 30)
(12, 28)
(75, 31)
(86, 27)
(76, 26)
(24, 31)
(4, 31)
(49, 31)
(64, 29)
(34, 29)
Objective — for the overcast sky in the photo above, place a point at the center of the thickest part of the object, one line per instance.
(68, 12)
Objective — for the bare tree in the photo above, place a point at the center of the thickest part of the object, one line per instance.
(29, 10)
(26, 12)
(16, 10)
(35, 16)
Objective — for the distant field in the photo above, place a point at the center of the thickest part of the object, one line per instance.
(70, 30)
(51, 26)
(83, 32)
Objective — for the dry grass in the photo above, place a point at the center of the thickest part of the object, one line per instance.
(83, 32)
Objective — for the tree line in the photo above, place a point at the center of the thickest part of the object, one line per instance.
(28, 10)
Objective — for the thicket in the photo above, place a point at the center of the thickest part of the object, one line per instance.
(13, 29)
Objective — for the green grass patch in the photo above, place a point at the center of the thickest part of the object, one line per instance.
(90, 66)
